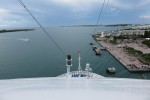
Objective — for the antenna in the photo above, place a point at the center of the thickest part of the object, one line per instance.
(79, 61)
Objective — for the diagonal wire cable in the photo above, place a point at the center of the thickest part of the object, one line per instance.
(41, 27)
(100, 13)
(104, 11)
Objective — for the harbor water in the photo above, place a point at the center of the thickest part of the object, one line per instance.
(32, 54)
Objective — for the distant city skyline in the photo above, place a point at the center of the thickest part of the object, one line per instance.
(73, 12)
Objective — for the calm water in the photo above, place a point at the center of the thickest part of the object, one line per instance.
(40, 57)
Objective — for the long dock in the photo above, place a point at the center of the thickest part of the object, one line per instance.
(129, 67)
(134, 68)
(102, 48)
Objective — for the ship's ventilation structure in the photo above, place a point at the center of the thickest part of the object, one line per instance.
(87, 73)
(68, 64)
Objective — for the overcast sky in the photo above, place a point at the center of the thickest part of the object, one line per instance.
(73, 12)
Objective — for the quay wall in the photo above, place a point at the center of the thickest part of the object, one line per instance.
(123, 63)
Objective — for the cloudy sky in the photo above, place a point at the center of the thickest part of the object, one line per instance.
(73, 12)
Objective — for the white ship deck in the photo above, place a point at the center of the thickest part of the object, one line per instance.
(58, 88)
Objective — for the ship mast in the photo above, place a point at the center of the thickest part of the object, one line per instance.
(79, 61)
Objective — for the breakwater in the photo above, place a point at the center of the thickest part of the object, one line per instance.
(15, 30)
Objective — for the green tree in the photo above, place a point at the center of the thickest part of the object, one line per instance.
(147, 42)
(146, 57)
(147, 34)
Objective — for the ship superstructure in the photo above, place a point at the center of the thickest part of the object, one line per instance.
(79, 73)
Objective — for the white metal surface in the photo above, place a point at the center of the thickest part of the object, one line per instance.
(74, 89)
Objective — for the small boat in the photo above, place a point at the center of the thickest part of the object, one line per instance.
(91, 44)
(97, 50)
(94, 47)
(111, 70)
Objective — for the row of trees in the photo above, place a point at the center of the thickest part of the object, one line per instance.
(133, 36)
(147, 42)
(133, 51)
(147, 34)
(146, 57)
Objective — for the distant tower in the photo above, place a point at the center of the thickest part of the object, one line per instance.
(68, 64)
(79, 61)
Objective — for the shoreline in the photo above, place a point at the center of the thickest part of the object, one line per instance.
(131, 63)
(112, 54)
(119, 60)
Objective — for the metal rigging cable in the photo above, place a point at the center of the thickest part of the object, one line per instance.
(104, 11)
(100, 13)
(41, 27)
(102, 16)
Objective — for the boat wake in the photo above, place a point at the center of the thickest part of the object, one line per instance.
(20, 39)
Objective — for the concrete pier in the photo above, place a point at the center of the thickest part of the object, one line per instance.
(131, 63)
